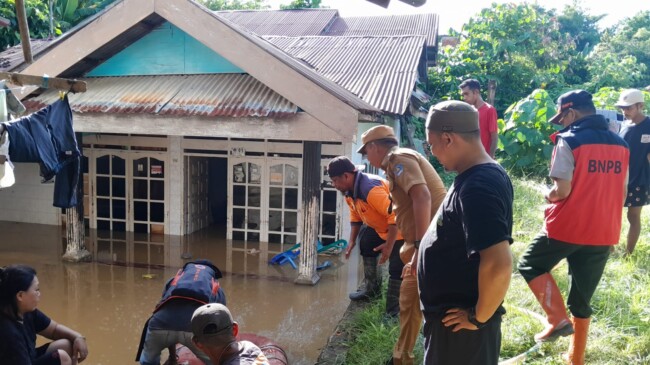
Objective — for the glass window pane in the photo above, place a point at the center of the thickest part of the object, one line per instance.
(275, 238)
(119, 209)
(238, 218)
(141, 167)
(157, 191)
(157, 212)
(329, 224)
(275, 198)
(238, 236)
(291, 175)
(254, 196)
(253, 236)
(276, 176)
(140, 228)
(289, 239)
(253, 219)
(140, 189)
(290, 198)
(119, 166)
(119, 187)
(103, 225)
(119, 226)
(275, 220)
(103, 165)
(103, 208)
(329, 201)
(84, 164)
(140, 212)
(157, 168)
(254, 173)
(239, 195)
(290, 221)
(103, 186)
(239, 173)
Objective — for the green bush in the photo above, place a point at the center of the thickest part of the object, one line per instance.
(525, 146)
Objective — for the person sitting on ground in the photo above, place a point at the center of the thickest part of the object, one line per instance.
(21, 321)
(215, 333)
(195, 284)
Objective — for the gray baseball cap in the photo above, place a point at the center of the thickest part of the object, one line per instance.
(212, 319)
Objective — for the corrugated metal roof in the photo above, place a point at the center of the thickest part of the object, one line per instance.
(413, 24)
(379, 70)
(290, 23)
(225, 95)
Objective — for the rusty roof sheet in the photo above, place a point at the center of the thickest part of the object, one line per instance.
(223, 95)
(379, 70)
(413, 24)
(290, 23)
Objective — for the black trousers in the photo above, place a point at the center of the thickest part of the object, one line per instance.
(465, 347)
(586, 266)
(368, 240)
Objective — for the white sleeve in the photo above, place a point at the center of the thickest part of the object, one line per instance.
(563, 162)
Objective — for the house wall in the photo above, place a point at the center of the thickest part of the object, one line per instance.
(167, 50)
(29, 200)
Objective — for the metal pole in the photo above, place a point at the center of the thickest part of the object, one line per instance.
(23, 27)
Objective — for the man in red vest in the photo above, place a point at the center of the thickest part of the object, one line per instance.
(582, 221)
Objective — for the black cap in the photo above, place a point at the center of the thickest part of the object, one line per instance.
(340, 165)
(572, 99)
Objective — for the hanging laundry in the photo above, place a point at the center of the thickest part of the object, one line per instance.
(47, 137)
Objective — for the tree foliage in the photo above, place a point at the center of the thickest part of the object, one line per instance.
(301, 4)
(67, 13)
(622, 58)
(524, 143)
(518, 45)
(234, 4)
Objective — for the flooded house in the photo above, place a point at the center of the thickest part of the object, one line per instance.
(196, 119)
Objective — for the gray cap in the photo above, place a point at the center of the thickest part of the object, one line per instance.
(452, 116)
(212, 319)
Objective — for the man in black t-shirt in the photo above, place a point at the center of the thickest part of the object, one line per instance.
(465, 263)
(636, 132)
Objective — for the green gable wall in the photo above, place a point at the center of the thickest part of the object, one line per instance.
(167, 50)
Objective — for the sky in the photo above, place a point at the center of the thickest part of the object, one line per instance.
(454, 15)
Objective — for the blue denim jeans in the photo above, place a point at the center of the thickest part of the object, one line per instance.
(158, 340)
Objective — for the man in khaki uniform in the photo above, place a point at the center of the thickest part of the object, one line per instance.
(417, 192)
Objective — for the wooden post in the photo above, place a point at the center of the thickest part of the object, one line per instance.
(311, 179)
(492, 91)
(75, 250)
(23, 27)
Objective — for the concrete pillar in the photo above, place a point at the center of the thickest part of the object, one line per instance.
(311, 180)
(176, 182)
(75, 250)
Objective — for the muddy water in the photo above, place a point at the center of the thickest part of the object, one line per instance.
(109, 301)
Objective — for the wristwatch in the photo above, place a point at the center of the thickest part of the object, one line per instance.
(471, 317)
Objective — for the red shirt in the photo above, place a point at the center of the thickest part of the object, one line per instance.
(487, 122)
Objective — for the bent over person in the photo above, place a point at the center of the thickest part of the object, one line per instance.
(582, 220)
(465, 263)
(417, 191)
(372, 222)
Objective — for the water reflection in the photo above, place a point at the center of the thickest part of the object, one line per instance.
(110, 299)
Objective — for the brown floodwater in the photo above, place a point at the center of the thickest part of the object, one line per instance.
(108, 300)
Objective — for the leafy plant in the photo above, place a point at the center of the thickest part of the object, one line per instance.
(524, 143)
(234, 4)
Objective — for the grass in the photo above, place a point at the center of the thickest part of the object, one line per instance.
(620, 329)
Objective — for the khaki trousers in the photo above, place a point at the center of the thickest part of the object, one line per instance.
(410, 314)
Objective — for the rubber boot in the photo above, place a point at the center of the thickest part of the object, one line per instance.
(392, 297)
(549, 296)
(372, 281)
(578, 344)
